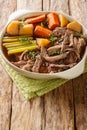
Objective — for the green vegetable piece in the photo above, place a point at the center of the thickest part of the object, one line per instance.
(54, 39)
(19, 50)
(15, 44)
(10, 40)
(33, 54)
(21, 24)
(24, 39)
(53, 53)
(44, 23)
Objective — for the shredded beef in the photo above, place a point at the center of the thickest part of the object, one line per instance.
(37, 64)
(52, 58)
(58, 68)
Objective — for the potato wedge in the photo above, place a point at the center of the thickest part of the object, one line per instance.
(12, 28)
(63, 20)
(42, 42)
(75, 26)
(26, 30)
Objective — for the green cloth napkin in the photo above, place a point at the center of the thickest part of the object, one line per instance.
(32, 87)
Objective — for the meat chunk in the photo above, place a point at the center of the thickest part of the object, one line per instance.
(37, 64)
(72, 57)
(81, 46)
(66, 39)
(24, 56)
(27, 67)
(53, 48)
(58, 68)
(59, 31)
(71, 40)
(69, 32)
(19, 63)
(52, 58)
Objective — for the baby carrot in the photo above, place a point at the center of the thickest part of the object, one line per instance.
(36, 19)
(42, 32)
(53, 20)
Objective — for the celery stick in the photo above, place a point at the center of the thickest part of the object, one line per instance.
(14, 44)
(12, 37)
(18, 47)
(16, 38)
(10, 40)
(19, 50)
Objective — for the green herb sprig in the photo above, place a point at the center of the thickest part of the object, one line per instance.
(53, 53)
(26, 39)
(21, 24)
(33, 55)
(54, 39)
(45, 23)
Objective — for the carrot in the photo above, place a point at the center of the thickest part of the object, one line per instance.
(42, 32)
(36, 19)
(53, 20)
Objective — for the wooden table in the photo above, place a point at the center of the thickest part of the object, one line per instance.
(62, 109)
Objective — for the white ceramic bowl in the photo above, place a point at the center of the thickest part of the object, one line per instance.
(67, 74)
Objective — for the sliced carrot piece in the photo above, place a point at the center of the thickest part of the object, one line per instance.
(42, 32)
(36, 19)
(53, 20)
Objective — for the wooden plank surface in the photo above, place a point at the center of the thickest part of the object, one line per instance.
(78, 9)
(6, 8)
(62, 109)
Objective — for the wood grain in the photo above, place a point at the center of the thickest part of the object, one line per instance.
(5, 99)
(34, 5)
(59, 114)
(80, 101)
(78, 9)
(56, 5)
(6, 8)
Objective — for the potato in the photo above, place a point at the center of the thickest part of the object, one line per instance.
(42, 42)
(75, 26)
(26, 30)
(63, 21)
(12, 28)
